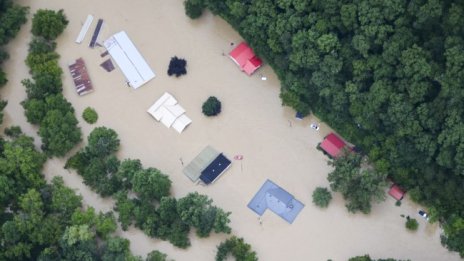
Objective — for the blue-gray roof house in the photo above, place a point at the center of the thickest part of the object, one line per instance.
(271, 196)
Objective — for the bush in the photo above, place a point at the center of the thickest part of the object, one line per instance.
(90, 115)
(177, 66)
(211, 107)
(321, 197)
(411, 224)
(194, 8)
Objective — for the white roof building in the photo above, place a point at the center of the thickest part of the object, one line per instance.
(170, 113)
(133, 66)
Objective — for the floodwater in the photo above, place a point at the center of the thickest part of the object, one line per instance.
(252, 123)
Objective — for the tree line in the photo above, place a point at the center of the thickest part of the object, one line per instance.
(387, 75)
(47, 221)
(11, 18)
(143, 194)
(45, 104)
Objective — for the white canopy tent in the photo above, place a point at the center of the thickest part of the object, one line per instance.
(133, 66)
(170, 113)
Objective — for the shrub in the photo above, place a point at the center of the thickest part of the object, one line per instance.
(177, 66)
(90, 115)
(411, 224)
(321, 197)
(211, 107)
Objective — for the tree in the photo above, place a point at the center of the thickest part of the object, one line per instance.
(321, 197)
(13, 132)
(211, 107)
(49, 24)
(239, 249)
(151, 184)
(177, 66)
(411, 224)
(59, 132)
(125, 208)
(90, 115)
(2, 106)
(197, 211)
(63, 201)
(194, 8)
(156, 255)
(21, 166)
(126, 172)
(102, 142)
(12, 18)
(358, 185)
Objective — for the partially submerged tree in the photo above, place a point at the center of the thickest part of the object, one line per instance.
(359, 185)
(321, 197)
(411, 224)
(211, 107)
(177, 67)
(90, 115)
(49, 23)
(194, 8)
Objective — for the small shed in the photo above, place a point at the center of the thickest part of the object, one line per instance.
(245, 58)
(333, 145)
(396, 192)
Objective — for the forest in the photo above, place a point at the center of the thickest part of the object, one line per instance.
(387, 75)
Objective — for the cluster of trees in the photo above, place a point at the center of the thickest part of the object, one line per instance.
(11, 18)
(45, 105)
(387, 75)
(143, 194)
(41, 221)
(357, 181)
(236, 247)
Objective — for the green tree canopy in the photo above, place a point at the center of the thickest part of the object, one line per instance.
(49, 24)
(359, 185)
(151, 184)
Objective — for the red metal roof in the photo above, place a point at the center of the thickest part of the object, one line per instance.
(245, 58)
(396, 192)
(333, 145)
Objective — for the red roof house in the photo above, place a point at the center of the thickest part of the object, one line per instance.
(245, 58)
(396, 192)
(333, 145)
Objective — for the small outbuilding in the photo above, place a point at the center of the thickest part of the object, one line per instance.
(333, 145)
(396, 192)
(245, 58)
